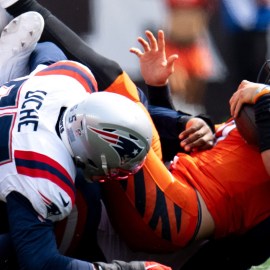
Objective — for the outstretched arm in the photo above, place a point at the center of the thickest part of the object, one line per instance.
(156, 67)
(34, 236)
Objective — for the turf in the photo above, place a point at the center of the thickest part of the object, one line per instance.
(264, 266)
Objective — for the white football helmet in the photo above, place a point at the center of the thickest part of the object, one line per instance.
(108, 135)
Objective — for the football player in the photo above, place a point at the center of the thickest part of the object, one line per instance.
(178, 116)
(205, 194)
(199, 198)
(53, 121)
(230, 156)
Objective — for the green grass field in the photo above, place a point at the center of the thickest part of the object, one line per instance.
(265, 266)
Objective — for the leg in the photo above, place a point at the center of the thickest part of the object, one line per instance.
(18, 40)
(108, 74)
(104, 70)
(45, 53)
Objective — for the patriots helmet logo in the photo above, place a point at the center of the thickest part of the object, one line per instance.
(126, 147)
(52, 208)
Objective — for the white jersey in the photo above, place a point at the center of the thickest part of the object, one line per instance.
(33, 159)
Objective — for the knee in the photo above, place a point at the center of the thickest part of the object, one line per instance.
(45, 53)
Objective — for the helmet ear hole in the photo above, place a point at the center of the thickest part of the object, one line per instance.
(133, 137)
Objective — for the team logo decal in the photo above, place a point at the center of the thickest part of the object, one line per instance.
(52, 208)
(126, 148)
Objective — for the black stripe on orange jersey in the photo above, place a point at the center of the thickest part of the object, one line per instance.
(167, 220)
(160, 210)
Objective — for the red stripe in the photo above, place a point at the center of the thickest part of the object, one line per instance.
(28, 155)
(48, 201)
(71, 73)
(105, 133)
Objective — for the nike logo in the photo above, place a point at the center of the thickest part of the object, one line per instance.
(63, 201)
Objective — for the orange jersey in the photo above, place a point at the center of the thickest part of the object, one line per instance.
(232, 180)
(159, 211)
(163, 217)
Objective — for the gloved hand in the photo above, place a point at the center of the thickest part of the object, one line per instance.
(133, 265)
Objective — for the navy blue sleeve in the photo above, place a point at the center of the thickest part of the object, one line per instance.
(169, 124)
(34, 240)
(143, 98)
(160, 96)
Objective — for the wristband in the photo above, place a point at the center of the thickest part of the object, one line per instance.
(261, 91)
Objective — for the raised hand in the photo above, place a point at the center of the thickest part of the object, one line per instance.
(156, 67)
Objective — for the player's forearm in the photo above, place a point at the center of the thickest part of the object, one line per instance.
(160, 96)
(105, 70)
(34, 240)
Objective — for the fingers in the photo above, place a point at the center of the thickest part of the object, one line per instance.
(244, 94)
(198, 142)
(153, 45)
(147, 46)
(152, 40)
(198, 136)
(144, 44)
(235, 104)
(136, 51)
(170, 61)
(161, 41)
